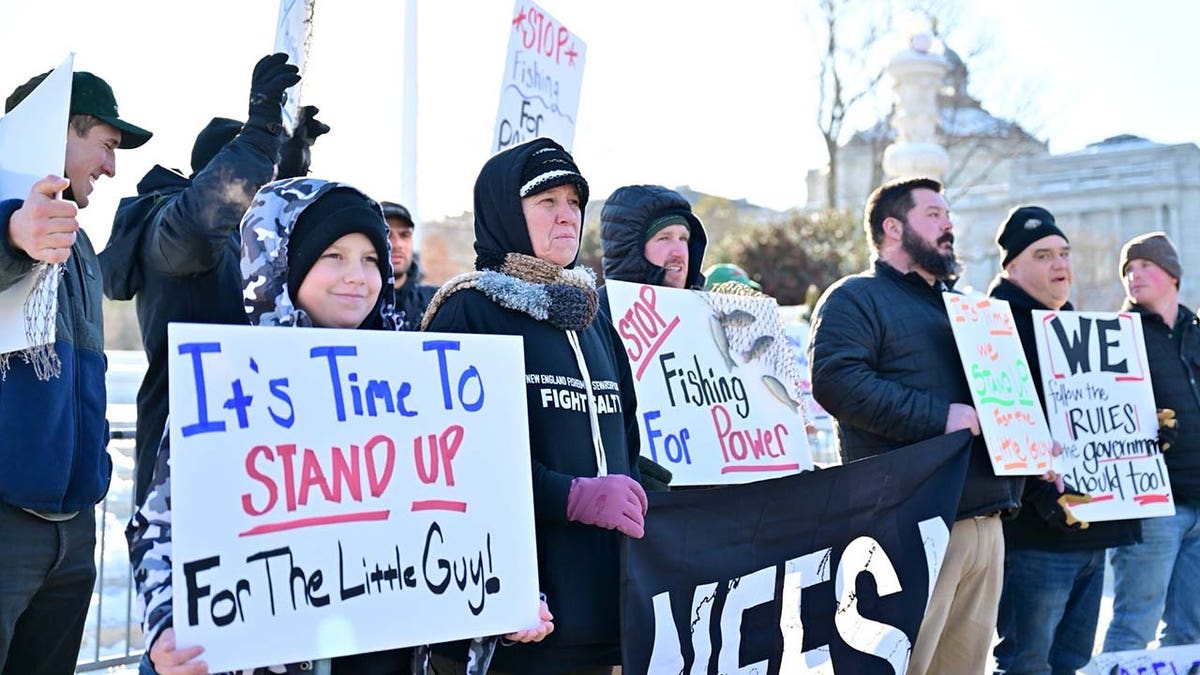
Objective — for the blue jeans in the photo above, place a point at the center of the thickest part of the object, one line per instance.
(47, 574)
(1158, 578)
(1049, 608)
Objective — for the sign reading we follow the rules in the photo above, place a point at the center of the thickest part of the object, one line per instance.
(338, 492)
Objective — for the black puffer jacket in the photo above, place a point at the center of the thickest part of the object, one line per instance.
(1174, 356)
(413, 297)
(175, 249)
(623, 234)
(885, 366)
(1029, 530)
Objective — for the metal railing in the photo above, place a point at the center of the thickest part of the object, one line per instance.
(113, 631)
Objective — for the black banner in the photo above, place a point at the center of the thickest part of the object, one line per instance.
(815, 573)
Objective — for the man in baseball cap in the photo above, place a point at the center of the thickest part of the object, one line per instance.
(56, 466)
(412, 296)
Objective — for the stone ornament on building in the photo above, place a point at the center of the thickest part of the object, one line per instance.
(917, 74)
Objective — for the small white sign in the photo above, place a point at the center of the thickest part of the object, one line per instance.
(1100, 406)
(543, 72)
(718, 389)
(338, 491)
(1180, 660)
(33, 145)
(1002, 388)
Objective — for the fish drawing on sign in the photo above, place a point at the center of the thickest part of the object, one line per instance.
(780, 392)
(737, 318)
(722, 342)
(760, 347)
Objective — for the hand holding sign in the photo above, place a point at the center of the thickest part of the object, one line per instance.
(168, 660)
(962, 416)
(44, 227)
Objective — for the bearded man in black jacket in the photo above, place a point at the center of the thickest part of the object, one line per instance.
(885, 366)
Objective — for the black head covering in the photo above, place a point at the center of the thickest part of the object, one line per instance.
(340, 212)
(500, 227)
(214, 136)
(629, 214)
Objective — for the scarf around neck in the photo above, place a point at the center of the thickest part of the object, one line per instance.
(564, 298)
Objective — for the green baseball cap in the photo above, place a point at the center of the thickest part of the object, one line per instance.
(90, 95)
(723, 272)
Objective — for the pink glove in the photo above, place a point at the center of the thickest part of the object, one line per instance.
(614, 502)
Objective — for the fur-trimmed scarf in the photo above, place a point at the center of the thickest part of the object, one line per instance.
(564, 298)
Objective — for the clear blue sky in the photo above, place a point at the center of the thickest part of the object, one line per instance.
(719, 96)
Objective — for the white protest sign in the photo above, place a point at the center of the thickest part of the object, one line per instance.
(1178, 660)
(338, 491)
(797, 337)
(33, 145)
(293, 36)
(717, 385)
(539, 94)
(1010, 415)
(1100, 406)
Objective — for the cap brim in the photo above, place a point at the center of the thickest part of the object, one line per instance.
(132, 136)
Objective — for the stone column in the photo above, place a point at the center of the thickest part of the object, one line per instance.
(917, 75)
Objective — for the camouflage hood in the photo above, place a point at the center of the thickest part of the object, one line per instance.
(266, 229)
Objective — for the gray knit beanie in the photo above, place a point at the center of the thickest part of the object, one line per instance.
(1155, 247)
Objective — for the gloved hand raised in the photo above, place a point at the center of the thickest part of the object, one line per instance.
(1168, 429)
(271, 79)
(614, 502)
(294, 154)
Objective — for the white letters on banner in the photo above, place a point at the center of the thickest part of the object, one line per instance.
(717, 385)
(33, 145)
(543, 72)
(337, 491)
(1100, 406)
(1006, 400)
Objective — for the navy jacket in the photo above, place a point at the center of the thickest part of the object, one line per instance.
(53, 435)
(885, 366)
(175, 249)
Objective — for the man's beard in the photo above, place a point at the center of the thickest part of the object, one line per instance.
(929, 258)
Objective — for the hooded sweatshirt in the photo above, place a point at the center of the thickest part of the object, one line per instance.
(623, 223)
(265, 231)
(578, 565)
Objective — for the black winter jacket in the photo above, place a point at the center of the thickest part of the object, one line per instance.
(413, 297)
(623, 236)
(1029, 530)
(578, 565)
(1174, 366)
(885, 366)
(175, 249)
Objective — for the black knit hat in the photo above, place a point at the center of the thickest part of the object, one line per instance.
(90, 95)
(215, 135)
(1155, 247)
(328, 219)
(548, 168)
(1023, 226)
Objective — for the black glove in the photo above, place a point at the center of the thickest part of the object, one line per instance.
(655, 477)
(268, 86)
(1055, 508)
(294, 154)
(1168, 429)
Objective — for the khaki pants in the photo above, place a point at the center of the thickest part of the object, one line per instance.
(956, 633)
